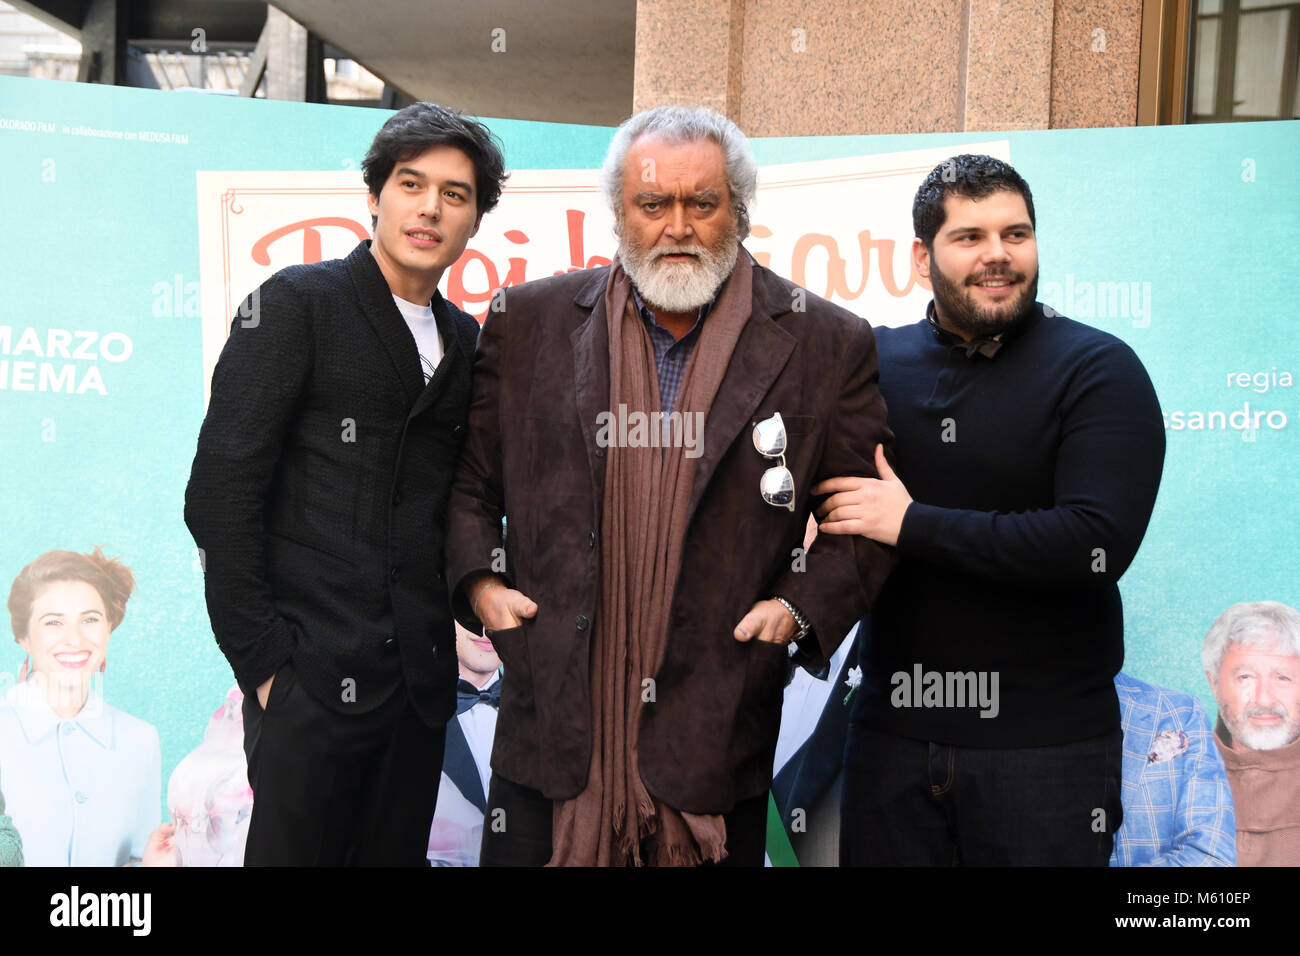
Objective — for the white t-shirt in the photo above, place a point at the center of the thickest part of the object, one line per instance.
(419, 318)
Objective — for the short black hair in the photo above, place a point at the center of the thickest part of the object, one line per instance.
(420, 126)
(970, 176)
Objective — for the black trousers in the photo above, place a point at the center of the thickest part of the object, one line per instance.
(332, 789)
(915, 803)
(518, 822)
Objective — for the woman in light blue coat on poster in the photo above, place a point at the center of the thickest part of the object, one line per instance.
(82, 779)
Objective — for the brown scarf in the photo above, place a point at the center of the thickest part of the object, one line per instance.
(1265, 787)
(615, 821)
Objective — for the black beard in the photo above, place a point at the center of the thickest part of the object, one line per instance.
(956, 306)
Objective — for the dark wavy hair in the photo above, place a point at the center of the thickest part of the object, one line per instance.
(969, 176)
(420, 126)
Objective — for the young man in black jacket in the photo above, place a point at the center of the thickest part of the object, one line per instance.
(1029, 450)
(317, 498)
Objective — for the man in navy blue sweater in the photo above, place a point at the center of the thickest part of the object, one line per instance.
(1029, 451)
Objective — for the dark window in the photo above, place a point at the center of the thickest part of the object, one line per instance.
(1245, 59)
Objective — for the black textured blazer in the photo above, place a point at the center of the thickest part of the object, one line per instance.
(319, 489)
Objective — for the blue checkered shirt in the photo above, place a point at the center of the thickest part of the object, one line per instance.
(671, 355)
(1177, 811)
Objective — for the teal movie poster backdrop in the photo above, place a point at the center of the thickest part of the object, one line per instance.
(1179, 240)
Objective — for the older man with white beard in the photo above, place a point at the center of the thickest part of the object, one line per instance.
(649, 590)
(1252, 661)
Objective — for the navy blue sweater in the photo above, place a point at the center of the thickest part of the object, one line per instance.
(1033, 474)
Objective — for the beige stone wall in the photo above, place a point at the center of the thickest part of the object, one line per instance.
(1009, 61)
(833, 67)
(1095, 63)
(687, 52)
(828, 67)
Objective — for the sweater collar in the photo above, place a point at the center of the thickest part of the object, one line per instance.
(985, 345)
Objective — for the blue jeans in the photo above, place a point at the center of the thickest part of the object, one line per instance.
(915, 803)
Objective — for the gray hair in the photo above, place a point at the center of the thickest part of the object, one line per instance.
(1258, 622)
(685, 124)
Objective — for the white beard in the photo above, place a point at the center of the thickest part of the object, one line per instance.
(1265, 738)
(679, 286)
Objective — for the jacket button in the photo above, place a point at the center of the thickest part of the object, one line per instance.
(582, 622)
(395, 575)
(458, 429)
(591, 540)
(435, 650)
